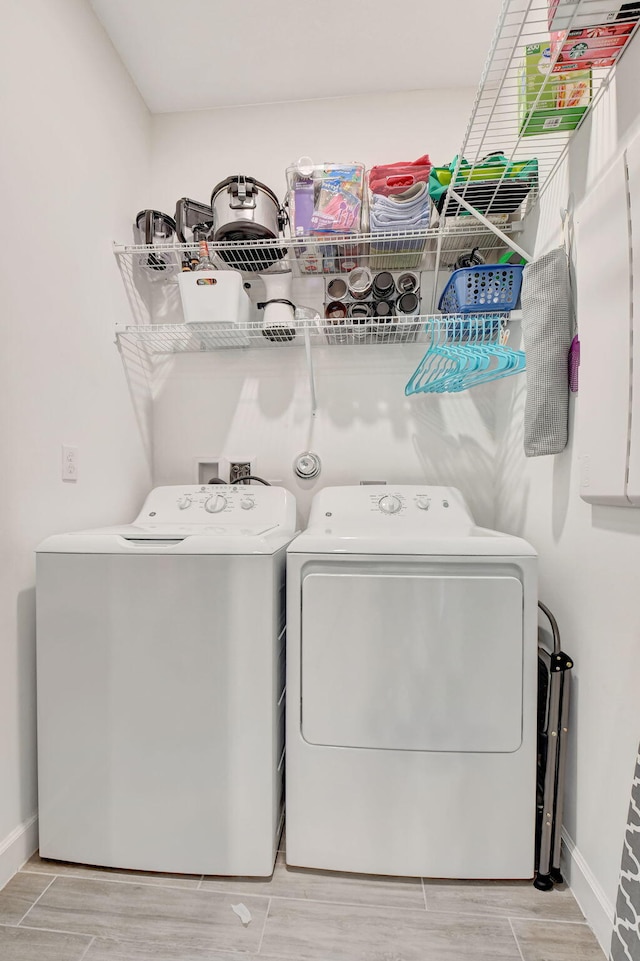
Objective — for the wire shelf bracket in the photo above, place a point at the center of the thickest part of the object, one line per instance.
(502, 122)
(506, 240)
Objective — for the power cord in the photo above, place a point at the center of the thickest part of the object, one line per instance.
(251, 477)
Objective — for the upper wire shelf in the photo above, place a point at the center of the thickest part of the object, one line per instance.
(501, 122)
(329, 254)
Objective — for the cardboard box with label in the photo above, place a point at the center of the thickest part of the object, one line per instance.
(596, 47)
(550, 103)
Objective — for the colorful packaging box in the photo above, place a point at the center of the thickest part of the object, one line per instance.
(550, 103)
(592, 13)
(596, 47)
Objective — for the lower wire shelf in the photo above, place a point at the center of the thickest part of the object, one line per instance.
(197, 338)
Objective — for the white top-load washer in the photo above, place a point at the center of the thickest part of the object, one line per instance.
(411, 688)
(160, 656)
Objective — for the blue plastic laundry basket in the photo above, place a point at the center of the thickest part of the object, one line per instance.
(486, 288)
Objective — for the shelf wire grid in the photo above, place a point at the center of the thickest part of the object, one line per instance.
(498, 123)
(391, 250)
(196, 338)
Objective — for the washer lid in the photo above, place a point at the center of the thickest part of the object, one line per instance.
(401, 519)
(194, 519)
(134, 539)
(163, 532)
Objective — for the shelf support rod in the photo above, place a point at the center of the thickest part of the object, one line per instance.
(436, 270)
(312, 382)
(492, 227)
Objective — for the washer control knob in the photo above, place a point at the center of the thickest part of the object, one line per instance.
(184, 502)
(215, 504)
(423, 503)
(390, 504)
(247, 505)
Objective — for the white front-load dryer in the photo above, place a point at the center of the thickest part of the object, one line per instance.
(411, 688)
(161, 670)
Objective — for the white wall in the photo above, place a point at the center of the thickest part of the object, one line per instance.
(365, 428)
(193, 151)
(589, 559)
(257, 404)
(73, 167)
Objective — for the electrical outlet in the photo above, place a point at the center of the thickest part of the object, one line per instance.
(69, 463)
(238, 469)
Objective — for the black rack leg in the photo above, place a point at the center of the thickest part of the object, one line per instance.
(548, 824)
(543, 882)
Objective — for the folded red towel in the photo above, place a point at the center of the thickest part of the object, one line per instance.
(387, 179)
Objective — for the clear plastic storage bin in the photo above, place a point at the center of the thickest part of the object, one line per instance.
(325, 202)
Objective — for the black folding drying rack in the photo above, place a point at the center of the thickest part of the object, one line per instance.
(554, 686)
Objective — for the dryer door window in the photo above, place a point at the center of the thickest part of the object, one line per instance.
(416, 663)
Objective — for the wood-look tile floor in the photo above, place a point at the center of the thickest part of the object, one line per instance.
(51, 911)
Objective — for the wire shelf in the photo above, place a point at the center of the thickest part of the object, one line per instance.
(499, 122)
(309, 256)
(198, 338)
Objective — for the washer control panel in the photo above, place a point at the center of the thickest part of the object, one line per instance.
(213, 501)
(227, 504)
(401, 506)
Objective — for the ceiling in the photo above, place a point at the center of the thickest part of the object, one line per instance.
(196, 54)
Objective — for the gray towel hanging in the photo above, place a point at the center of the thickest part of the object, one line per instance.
(625, 940)
(546, 334)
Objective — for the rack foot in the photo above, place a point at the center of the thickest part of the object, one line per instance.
(543, 882)
(556, 876)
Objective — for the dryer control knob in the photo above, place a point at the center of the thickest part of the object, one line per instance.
(389, 504)
(215, 504)
(184, 502)
(423, 503)
(247, 505)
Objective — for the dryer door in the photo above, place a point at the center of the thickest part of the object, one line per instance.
(412, 662)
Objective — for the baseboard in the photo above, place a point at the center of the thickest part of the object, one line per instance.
(17, 848)
(588, 893)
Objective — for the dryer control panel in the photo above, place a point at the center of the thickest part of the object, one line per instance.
(228, 504)
(377, 506)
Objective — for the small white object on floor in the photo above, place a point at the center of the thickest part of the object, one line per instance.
(243, 913)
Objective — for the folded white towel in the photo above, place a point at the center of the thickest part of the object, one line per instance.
(407, 211)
